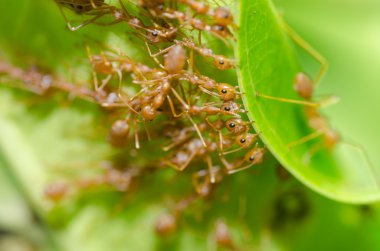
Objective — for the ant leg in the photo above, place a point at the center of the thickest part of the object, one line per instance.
(147, 131)
(85, 22)
(232, 151)
(154, 56)
(188, 116)
(120, 76)
(105, 82)
(137, 142)
(210, 167)
(184, 165)
(366, 158)
(305, 139)
(196, 129)
(209, 92)
(310, 50)
(240, 169)
(167, 148)
(309, 154)
(293, 101)
(171, 105)
(199, 181)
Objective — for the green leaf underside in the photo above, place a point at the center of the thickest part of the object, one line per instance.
(268, 65)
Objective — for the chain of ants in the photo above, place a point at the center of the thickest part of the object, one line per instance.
(206, 118)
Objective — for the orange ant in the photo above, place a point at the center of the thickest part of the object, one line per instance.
(252, 157)
(218, 30)
(225, 91)
(330, 139)
(166, 225)
(81, 6)
(220, 61)
(56, 192)
(40, 83)
(227, 108)
(237, 126)
(244, 141)
(154, 34)
(223, 236)
(221, 15)
(96, 8)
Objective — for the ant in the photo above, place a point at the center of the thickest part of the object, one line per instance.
(154, 34)
(96, 8)
(221, 15)
(330, 139)
(220, 62)
(223, 236)
(244, 141)
(166, 224)
(252, 157)
(41, 84)
(81, 6)
(225, 91)
(218, 30)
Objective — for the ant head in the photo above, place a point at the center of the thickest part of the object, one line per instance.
(255, 156)
(226, 92)
(246, 140)
(303, 85)
(223, 16)
(221, 30)
(230, 107)
(223, 63)
(236, 126)
(154, 36)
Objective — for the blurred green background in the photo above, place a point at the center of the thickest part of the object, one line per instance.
(346, 32)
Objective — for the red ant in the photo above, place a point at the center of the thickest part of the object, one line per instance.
(252, 157)
(220, 62)
(223, 236)
(221, 15)
(166, 224)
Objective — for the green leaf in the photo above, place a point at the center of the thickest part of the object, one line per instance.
(268, 65)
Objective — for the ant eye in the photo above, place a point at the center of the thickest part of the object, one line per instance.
(224, 91)
(232, 125)
(242, 140)
(251, 158)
